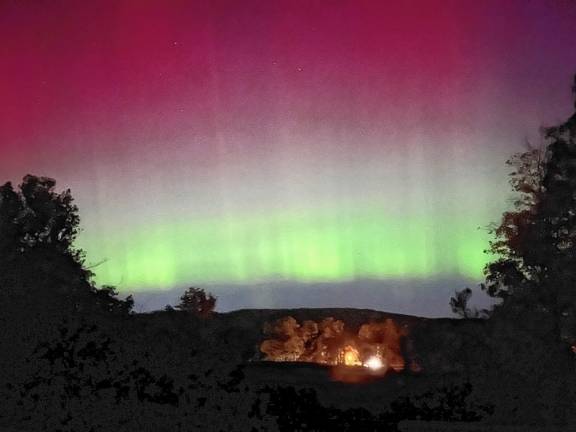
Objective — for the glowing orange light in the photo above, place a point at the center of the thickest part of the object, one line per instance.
(351, 356)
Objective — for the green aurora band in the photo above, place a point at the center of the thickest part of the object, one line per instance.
(320, 248)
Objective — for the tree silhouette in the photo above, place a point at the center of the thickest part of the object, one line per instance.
(536, 242)
(37, 215)
(196, 301)
(459, 303)
(38, 260)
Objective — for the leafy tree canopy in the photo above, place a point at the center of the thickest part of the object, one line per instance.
(197, 301)
(38, 227)
(536, 241)
(37, 215)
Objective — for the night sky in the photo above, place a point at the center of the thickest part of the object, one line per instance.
(283, 153)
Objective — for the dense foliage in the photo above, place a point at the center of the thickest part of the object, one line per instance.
(197, 301)
(536, 241)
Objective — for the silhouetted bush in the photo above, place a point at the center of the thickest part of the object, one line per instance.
(197, 302)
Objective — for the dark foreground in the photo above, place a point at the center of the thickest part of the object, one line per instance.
(171, 371)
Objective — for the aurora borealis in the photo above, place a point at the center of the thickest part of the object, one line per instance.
(263, 142)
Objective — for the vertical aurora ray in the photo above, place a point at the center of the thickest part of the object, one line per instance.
(315, 248)
(254, 142)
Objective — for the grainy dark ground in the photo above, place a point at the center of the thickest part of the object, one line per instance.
(140, 372)
(435, 426)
